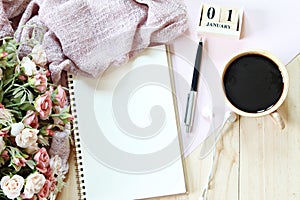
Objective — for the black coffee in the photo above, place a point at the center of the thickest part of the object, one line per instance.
(253, 83)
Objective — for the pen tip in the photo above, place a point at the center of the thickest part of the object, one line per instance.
(200, 40)
(200, 37)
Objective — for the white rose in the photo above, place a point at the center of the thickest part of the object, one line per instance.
(12, 186)
(32, 149)
(29, 66)
(5, 116)
(34, 183)
(39, 55)
(2, 144)
(56, 165)
(16, 128)
(27, 137)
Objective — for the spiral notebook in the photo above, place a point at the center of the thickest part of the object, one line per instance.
(126, 131)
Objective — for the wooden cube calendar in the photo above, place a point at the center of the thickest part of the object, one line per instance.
(217, 19)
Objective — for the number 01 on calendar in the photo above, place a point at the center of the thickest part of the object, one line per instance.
(221, 20)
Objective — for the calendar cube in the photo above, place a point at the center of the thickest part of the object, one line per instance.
(221, 20)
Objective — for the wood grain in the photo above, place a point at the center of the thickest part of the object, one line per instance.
(254, 159)
(270, 157)
(70, 190)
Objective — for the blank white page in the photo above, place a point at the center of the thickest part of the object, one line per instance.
(128, 130)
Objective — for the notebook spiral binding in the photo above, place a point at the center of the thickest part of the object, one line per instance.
(75, 132)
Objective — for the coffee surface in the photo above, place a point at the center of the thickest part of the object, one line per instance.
(253, 83)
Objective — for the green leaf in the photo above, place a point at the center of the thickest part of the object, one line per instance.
(30, 96)
(16, 90)
(10, 64)
(18, 114)
(11, 56)
(16, 167)
(43, 140)
(2, 161)
(31, 164)
(23, 99)
(20, 93)
(10, 49)
(27, 106)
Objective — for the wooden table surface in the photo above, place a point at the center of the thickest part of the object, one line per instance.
(254, 158)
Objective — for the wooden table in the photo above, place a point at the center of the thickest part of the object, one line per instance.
(254, 158)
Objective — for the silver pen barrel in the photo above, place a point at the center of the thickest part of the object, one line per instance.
(190, 110)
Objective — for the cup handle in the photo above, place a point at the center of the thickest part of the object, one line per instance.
(278, 119)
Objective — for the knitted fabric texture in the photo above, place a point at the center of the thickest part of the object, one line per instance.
(87, 36)
(9, 10)
(60, 146)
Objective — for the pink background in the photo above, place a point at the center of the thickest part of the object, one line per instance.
(270, 25)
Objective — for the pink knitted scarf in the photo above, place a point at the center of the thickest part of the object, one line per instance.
(87, 36)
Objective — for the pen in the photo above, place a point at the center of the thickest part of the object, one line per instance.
(192, 96)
